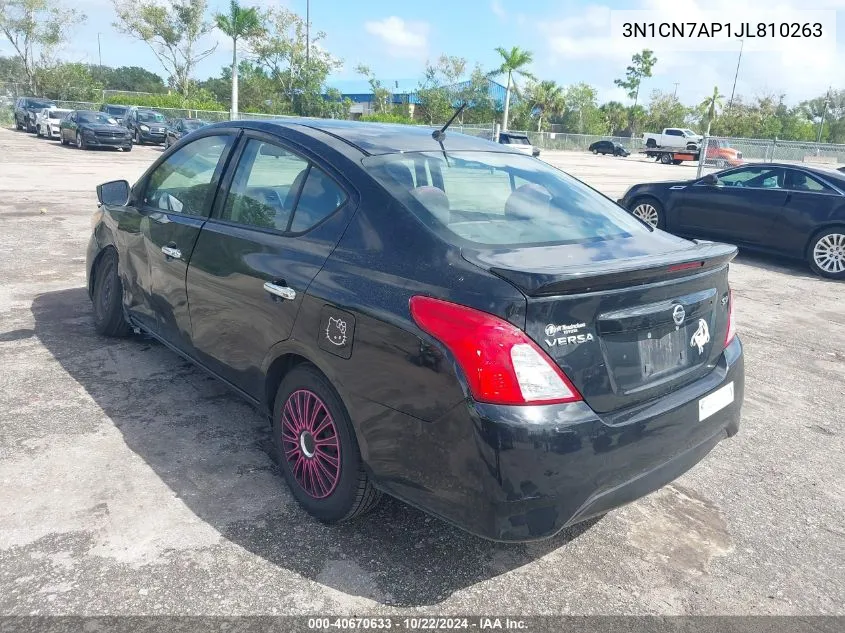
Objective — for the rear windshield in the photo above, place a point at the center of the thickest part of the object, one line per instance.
(193, 124)
(515, 140)
(116, 109)
(39, 103)
(493, 198)
(58, 114)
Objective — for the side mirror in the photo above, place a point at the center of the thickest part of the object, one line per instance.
(114, 193)
(710, 179)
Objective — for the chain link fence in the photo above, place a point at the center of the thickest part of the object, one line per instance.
(722, 152)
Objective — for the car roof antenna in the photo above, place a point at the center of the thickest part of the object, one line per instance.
(439, 135)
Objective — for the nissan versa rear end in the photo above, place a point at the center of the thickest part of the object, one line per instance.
(431, 316)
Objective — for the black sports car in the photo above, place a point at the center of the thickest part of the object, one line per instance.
(88, 129)
(181, 127)
(438, 317)
(791, 210)
(608, 147)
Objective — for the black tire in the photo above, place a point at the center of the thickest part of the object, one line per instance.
(137, 138)
(18, 124)
(80, 141)
(654, 203)
(595, 151)
(666, 159)
(834, 240)
(128, 148)
(353, 494)
(38, 132)
(677, 162)
(107, 297)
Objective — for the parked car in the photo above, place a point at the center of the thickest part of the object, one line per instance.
(117, 112)
(519, 142)
(609, 147)
(48, 120)
(180, 128)
(720, 154)
(146, 126)
(790, 210)
(673, 138)
(88, 129)
(448, 321)
(26, 108)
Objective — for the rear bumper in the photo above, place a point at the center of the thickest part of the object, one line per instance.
(524, 473)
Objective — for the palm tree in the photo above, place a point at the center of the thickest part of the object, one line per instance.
(514, 62)
(240, 23)
(712, 104)
(547, 97)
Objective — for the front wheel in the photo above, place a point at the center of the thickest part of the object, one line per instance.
(80, 141)
(826, 253)
(38, 132)
(108, 297)
(137, 140)
(649, 211)
(317, 448)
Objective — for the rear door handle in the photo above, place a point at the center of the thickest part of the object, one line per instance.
(280, 291)
(171, 252)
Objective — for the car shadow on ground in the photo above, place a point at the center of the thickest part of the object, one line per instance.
(778, 264)
(215, 453)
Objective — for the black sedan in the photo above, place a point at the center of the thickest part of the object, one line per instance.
(181, 127)
(440, 318)
(791, 210)
(608, 147)
(88, 129)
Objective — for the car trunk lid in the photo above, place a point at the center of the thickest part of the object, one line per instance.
(626, 321)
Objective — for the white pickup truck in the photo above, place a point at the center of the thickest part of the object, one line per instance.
(673, 137)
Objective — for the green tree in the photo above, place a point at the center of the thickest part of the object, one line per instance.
(546, 98)
(281, 50)
(437, 93)
(127, 78)
(514, 62)
(581, 114)
(641, 66)
(615, 117)
(36, 29)
(665, 110)
(382, 97)
(476, 94)
(70, 82)
(239, 23)
(711, 106)
(173, 32)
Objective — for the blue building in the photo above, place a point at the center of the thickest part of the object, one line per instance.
(403, 92)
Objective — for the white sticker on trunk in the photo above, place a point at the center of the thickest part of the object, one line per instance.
(716, 401)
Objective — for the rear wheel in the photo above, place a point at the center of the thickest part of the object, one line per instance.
(826, 253)
(38, 132)
(595, 151)
(648, 210)
(108, 297)
(317, 449)
(666, 159)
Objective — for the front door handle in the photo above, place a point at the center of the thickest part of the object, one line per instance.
(280, 291)
(171, 252)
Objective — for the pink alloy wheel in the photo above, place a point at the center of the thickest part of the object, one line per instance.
(310, 442)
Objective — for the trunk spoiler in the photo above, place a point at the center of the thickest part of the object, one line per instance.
(615, 273)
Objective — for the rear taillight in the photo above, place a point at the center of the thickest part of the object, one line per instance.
(501, 364)
(731, 324)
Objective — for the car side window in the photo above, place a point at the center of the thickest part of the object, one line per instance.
(320, 197)
(184, 183)
(756, 177)
(674, 133)
(265, 185)
(800, 181)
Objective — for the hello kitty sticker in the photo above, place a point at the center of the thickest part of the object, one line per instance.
(336, 332)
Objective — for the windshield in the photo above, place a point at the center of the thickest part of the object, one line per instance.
(493, 198)
(516, 140)
(193, 124)
(58, 114)
(150, 117)
(39, 103)
(95, 117)
(689, 133)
